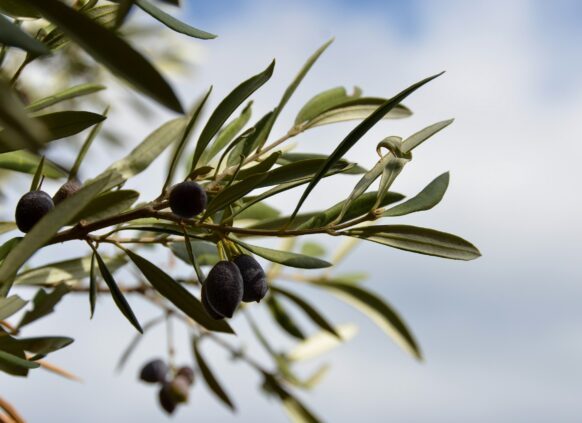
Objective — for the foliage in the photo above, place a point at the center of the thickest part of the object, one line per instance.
(236, 162)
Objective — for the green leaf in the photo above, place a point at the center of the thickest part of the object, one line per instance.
(13, 35)
(264, 166)
(185, 137)
(227, 134)
(259, 211)
(296, 411)
(227, 107)
(26, 162)
(43, 345)
(7, 359)
(426, 199)
(323, 101)
(311, 248)
(234, 192)
(288, 157)
(392, 169)
(357, 133)
(418, 240)
(264, 134)
(116, 293)
(356, 109)
(44, 230)
(64, 124)
(177, 294)
(10, 305)
(285, 257)
(35, 184)
(313, 314)
(85, 147)
(379, 311)
(322, 342)
(205, 252)
(92, 286)
(210, 379)
(283, 318)
(17, 9)
(110, 50)
(8, 245)
(19, 130)
(67, 94)
(69, 271)
(250, 142)
(172, 22)
(145, 153)
(43, 304)
(107, 204)
(421, 136)
(296, 171)
(359, 207)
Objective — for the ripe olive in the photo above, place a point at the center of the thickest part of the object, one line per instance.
(187, 199)
(166, 400)
(66, 190)
(224, 288)
(31, 207)
(153, 372)
(254, 278)
(187, 373)
(209, 309)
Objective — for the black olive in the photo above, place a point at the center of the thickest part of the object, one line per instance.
(166, 400)
(31, 207)
(254, 278)
(224, 288)
(209, 309)
(187, 199)
(153, 372)
(66, 190)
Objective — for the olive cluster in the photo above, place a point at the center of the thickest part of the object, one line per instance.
(174, 387)
(33, 205)
(230, 282)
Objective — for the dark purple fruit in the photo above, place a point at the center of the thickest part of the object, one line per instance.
(166, 400)
(179, 389)
(209, 309)
(153, 372)
(187, 373)
(254, 278)
(66, 190)
(187, 199)
(224, 288)
(31, 207)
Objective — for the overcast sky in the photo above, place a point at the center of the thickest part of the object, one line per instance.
(502, 335)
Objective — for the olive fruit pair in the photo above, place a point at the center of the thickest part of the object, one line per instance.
(187, 199)
(33, 205)
(229, 283)
(172, 392)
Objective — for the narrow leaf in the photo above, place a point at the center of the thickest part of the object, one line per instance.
(26, 162)
(110, 50)
(92, 286)
(210, 378)
(10, 305)
(172, 22)
(85, 147)
(35, 184)
(234, 192)
(13, 35)
(426, 199)
(67, 94)
(283, 318)
(418, 240)
(227, 107)
(379, 311)
(177, 294)
(107, 204)
(43, 304)
(357, 133)
(313, 314)
(421, 136)
(285, 257)
(116, 293)
(322, 342)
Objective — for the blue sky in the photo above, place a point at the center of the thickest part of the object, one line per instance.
(501, 335)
